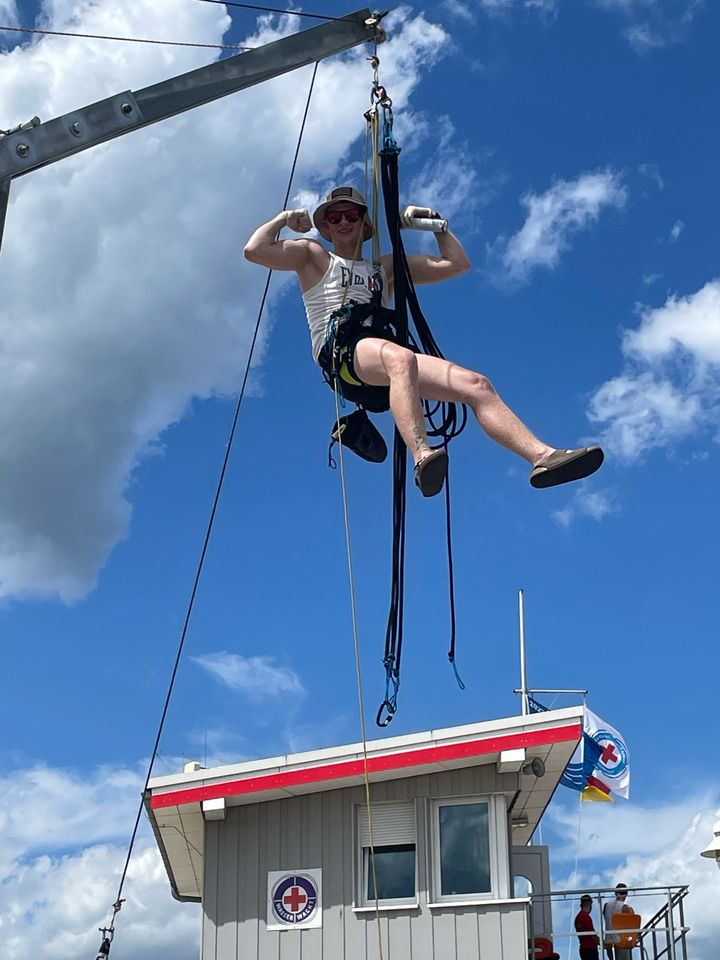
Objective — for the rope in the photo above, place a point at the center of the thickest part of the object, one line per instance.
(372, 149)
(348, 543)
(100, 36)
(211, 522)
(358, 670)
(577, 843)
(577, 857)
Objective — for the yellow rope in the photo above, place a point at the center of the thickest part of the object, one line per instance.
(371, 132)
(358, 670)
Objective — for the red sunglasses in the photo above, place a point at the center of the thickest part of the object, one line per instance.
(352, 216)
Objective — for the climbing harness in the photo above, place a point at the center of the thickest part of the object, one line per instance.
(347, 326)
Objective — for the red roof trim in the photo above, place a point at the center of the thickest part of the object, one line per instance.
(354, 768)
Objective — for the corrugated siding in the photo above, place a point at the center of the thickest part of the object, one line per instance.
(317, 831)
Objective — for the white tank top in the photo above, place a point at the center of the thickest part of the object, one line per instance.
(339, 287)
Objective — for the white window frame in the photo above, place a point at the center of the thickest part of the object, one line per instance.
(382, 838)
(497, 844)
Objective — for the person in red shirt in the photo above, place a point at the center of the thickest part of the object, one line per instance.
(590, 942)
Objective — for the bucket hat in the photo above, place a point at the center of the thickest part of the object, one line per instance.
(351, 195)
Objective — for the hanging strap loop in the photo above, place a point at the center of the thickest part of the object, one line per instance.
(450, 424)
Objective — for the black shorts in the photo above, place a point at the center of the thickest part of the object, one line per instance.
(372, 398)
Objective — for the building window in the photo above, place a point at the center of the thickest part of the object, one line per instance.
(394, 836)
(463, 866)
(394, 870)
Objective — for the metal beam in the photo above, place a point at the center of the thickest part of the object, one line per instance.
(25, 150)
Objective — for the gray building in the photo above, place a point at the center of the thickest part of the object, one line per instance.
(278, 851)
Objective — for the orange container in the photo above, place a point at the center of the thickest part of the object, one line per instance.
(625, 921)
(543, 949)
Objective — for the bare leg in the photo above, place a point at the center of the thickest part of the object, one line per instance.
(382, 363)
(444, 380)
(412, 376)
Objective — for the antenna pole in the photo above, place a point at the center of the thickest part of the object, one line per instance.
(523, 660)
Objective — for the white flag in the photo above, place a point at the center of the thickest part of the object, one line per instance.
(613, 765)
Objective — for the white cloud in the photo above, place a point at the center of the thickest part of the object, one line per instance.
(460, 10)
(655, 23)
(495, 7)
(46, 808)
(329, 732)
(58, 879)
(596, 504)
(669, 388)
(646, 846)
(652, 171)
(642, 36)
(450, 181)
(255, 676)
(625, 829)
(624, 5)
(676, 229)
(640, 412)
(215, 746)
(555, 216)
(125, 294)
(52, 907)
(684, 324)
(650, 278)
(9, 11)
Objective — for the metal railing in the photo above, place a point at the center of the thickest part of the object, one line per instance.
(662, 937)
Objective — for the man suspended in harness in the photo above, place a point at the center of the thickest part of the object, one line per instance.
(347, 300)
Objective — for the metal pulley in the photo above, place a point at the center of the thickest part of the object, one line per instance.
(374, 21)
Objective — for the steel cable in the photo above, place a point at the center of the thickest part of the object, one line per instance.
(211, 522)
(101, 36)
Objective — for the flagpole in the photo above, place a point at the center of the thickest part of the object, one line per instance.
(524, 690)
(523, 660)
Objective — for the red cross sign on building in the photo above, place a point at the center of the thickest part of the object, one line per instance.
(294, 899)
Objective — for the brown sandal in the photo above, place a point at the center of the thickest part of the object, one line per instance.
(563, 466)
(430, 473)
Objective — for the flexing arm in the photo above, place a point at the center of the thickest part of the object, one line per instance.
(265, 247)
(424, 268)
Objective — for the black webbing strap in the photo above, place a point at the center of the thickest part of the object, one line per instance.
(395, 623)
(449, 426)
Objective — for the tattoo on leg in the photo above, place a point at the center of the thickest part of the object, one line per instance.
(420, 441)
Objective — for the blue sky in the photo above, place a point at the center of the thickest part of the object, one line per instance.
(573, 145)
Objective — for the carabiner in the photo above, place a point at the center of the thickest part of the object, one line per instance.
(390, 707)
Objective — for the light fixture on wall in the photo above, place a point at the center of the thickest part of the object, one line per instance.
(712, 850)
(534, 767)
